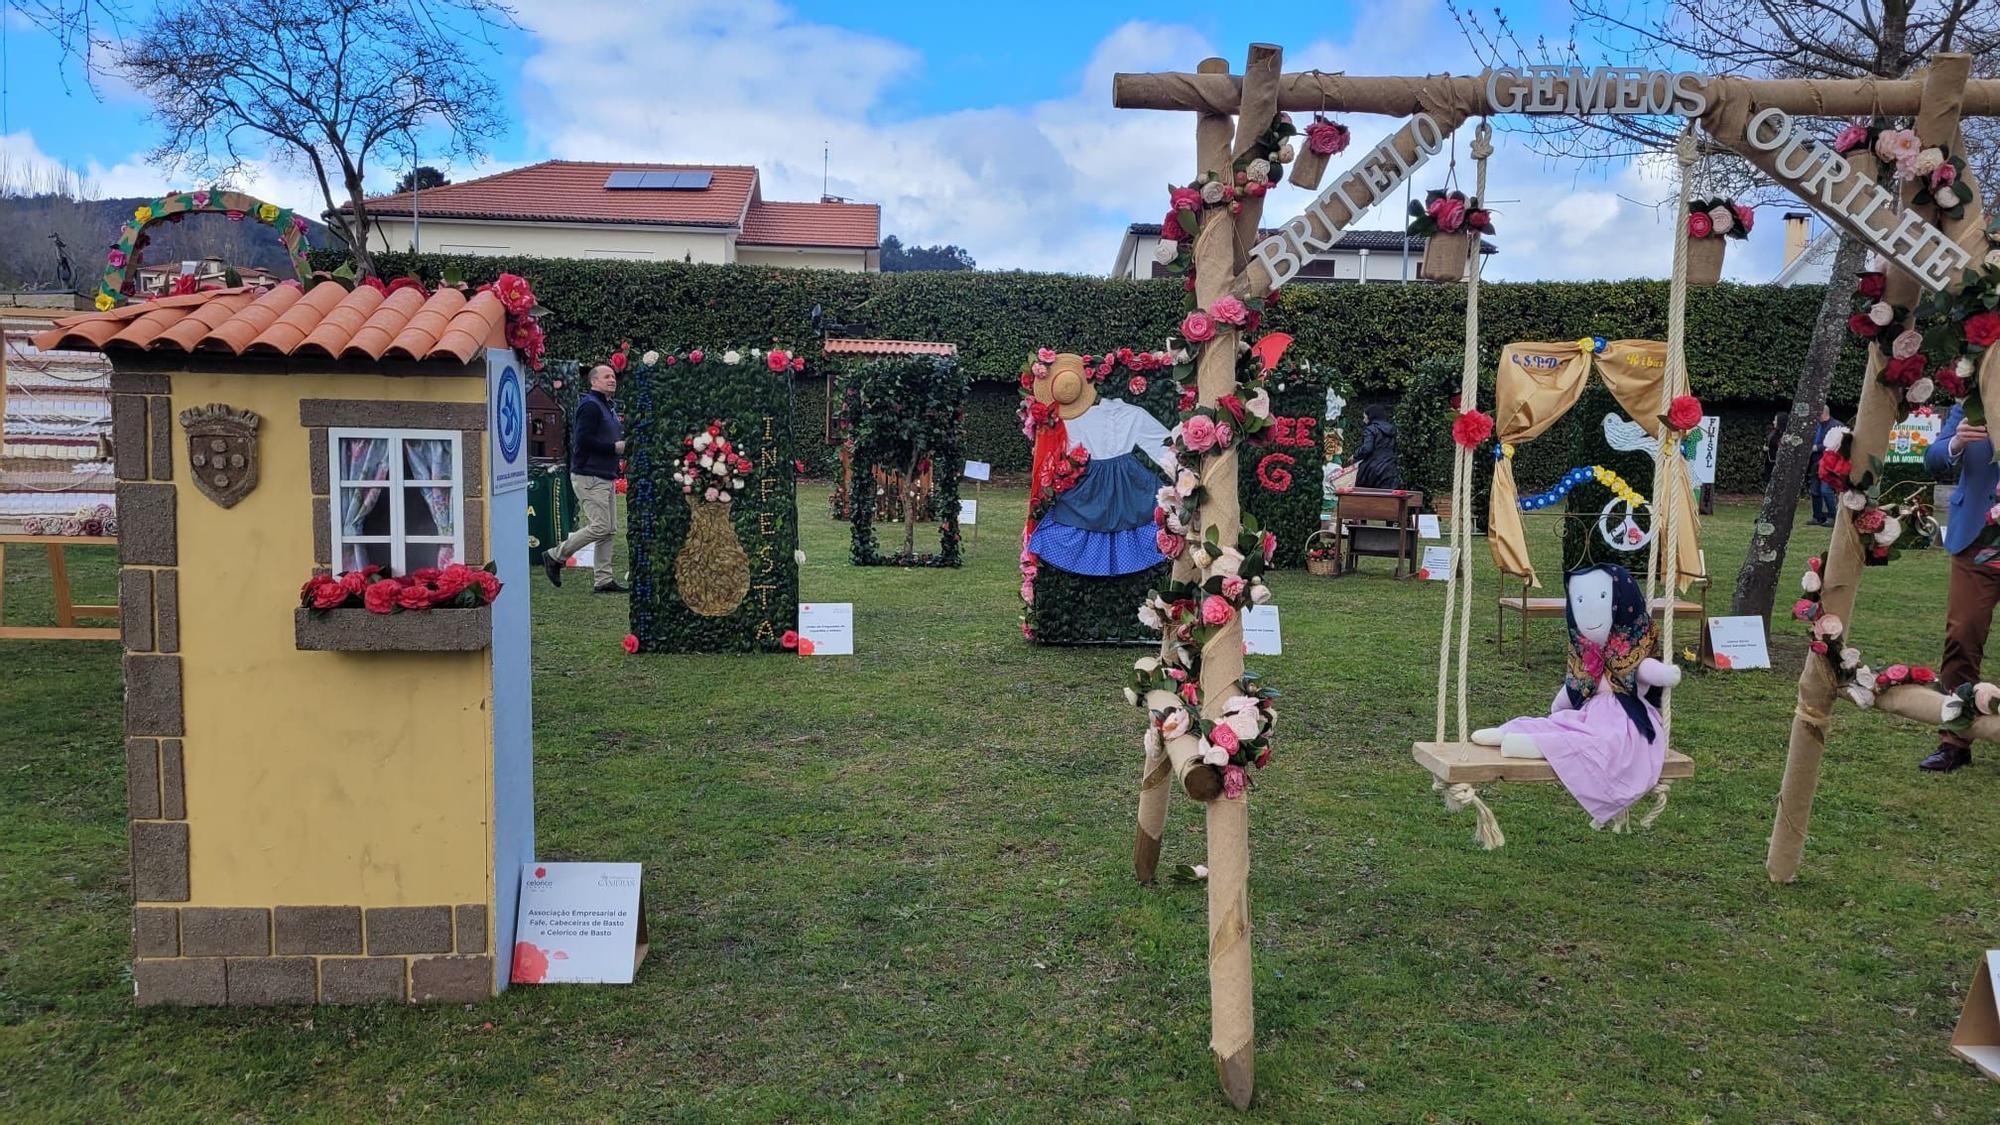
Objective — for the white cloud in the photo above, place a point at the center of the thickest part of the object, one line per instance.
(1041, 184)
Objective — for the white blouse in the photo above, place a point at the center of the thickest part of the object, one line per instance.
(1113, 427)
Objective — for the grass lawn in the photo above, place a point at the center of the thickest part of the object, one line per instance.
(898, 886)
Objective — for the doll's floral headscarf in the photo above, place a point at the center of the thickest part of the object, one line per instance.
(1632, 641)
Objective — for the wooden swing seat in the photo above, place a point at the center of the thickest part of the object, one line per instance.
(1456, 763)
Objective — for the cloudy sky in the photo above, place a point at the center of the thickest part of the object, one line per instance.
(989, 128)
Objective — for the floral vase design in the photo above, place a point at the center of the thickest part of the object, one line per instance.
(712, 570)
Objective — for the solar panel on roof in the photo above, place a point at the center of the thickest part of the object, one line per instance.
(635, 180)
(695, 181)
(624, 180)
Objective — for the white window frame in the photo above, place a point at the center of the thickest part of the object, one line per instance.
(397, 483)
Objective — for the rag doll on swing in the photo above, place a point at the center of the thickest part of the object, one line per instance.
(1603, 737)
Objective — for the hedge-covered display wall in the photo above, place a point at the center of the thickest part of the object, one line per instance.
(1278, 476)
(720, 574)
(901, 413)
(1744, 342)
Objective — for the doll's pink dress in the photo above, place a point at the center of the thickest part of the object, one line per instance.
(1597, 753)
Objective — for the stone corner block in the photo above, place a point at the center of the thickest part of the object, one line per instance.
(451, 980)
(180, 981)
(148, 525)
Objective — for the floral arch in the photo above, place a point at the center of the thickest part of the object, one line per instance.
(121, 262)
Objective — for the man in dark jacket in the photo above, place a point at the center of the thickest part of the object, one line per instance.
(595, 446)
(1377, 456)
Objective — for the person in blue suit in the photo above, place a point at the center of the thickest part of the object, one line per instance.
(1975, 569)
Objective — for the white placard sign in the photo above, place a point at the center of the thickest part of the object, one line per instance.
(579, 923)
(585, 557)
(1262, 635)
(1738, 642)
(829, 626)
(1427, 526)
(506, 421)
(1437, 564)
(978, 470)
(1701, 466)
(968, 512)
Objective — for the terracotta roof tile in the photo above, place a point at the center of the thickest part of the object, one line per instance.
(328, 321)
(856, 226)
(889, 347)
(574, 191)
(341, 322)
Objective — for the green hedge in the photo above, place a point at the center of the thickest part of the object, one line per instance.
(1744, 341)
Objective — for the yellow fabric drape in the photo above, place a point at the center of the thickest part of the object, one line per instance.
(1537, 384)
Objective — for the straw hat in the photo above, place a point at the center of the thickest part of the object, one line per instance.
(1067, 386)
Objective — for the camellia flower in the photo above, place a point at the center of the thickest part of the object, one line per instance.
(1851, 136)
(1471, 427)
(1881, 313)
(1920, 392)
(1175, 724)
(1198, 433)
(1897, 145)
(1745, 217)
(1721, 219)
(1907, 343)
(1215, 610)
(1983, 329)
(630, 643)
(695, 356)
(1198, 327)
(1684, 413)
(1809, 582)
(1228, 310)
(1233, 587)
(1448, 213)
(732, 357)
(1234, 782)
(1327, 138)
(1166, 251)
(1700, 225)
(1211, 192)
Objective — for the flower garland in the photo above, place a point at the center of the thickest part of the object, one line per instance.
(1038, 416)
(711, 466)
(1720, 217)
(124, 255)
(1902, 156)
(91, 520)
(1863, 685)
(374, 589)
(1251, 176)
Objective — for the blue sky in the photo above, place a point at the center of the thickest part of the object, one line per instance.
(991, 128)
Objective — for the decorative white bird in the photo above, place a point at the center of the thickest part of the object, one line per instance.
(1334, 404)
(1628, 437)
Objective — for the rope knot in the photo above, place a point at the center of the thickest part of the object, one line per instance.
(1684, 148)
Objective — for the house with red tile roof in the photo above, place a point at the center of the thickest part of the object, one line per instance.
(642, 212)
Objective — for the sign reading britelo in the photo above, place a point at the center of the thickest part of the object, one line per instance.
(222, 451)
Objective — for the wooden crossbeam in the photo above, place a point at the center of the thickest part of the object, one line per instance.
(1403, 97)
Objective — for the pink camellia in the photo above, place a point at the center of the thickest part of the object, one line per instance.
(1803, 609)
(1198, 433)
(1028, 592)
(1745, 217)
(1225, 738)
(1198, 327)
(1233, 587)
(1269, 544)
(1046, 355)
(1449, 213)
(1234, 782)
(1699, 225)
(1229, 310)
(694, 356)
(1170, 545)
(1327, 138)
(1224, 434)
(1944, 174)
(1185, 199)
(1216, 610)
(1136, 384)
(1852, 136)
(777, 360)
(115, 259)
(514, 293)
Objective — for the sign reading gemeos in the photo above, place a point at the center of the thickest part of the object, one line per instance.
(1822, 177)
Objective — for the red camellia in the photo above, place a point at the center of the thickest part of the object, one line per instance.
(1904, 372)
(381, 596)
(1860, 325)
(1833, 469)
(620, 486)
(488, 583)
(1870, 521)
(1700, 225)
(789, 640)
(1684, 414)
(515, 293)
(1922, 675)
(452, 581)
(330, 595)
(630, 643)
(414, 596)
(1872, 285)
(1170, 228)
(1232, 404)
(1949, 381)
(776, 360)
(1983, 329)
(1471, 427)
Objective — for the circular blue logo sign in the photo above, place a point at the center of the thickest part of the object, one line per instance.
(511, 413)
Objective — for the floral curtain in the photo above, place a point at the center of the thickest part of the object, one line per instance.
(360, 459)
(430, 459)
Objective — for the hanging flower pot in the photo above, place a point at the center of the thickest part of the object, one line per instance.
(1445, 257)
(1705, 260)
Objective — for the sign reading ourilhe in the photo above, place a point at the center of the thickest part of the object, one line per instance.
(506, 421)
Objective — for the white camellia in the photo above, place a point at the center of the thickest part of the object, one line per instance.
(1946, 196)
(1853, 500)
(756, 353)
(1167, 498)
(1164, 252)
(1286, 153)
(1964, 365)
(1850, 658)
(1865, 676)
(1952, 708)
(799, 557)
(1809, 582)
(1147, 665)
(1259, 404)
(1175, 724)
(1259, 593)
(1862, 697)
(1186, 481)
(1211, 192)
(1150, 617)
(1928, 160)
(1200, 556)
(650, 359)
(707, 462)
(1892, 530)
(1920, 392)
(1213, 755)
(1228, 564)
(703, 440)
(1259, 170)
(736, 482)
(1906, 344)
(732, 357)
(1881, 313)
(1723, 219)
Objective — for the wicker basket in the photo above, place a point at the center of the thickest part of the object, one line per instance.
(1446, 256)
(1705, 260)
(1325, 568)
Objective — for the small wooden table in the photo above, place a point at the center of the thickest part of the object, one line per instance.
(1379, 523)
(67, 612)
(1529, 608)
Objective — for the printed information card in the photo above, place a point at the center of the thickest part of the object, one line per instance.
(1738, 642)
(1262, 635)
(978, 470)
(1437, 564)
(580, 923)
(829, 626)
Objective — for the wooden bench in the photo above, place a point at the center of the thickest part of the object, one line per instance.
(1530, 608)
(67, 612)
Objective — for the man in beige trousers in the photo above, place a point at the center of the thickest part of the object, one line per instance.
(595, 444)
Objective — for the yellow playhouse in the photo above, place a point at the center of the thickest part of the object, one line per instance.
(325, 806)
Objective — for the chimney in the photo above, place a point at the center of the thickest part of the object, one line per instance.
(1798, 225)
